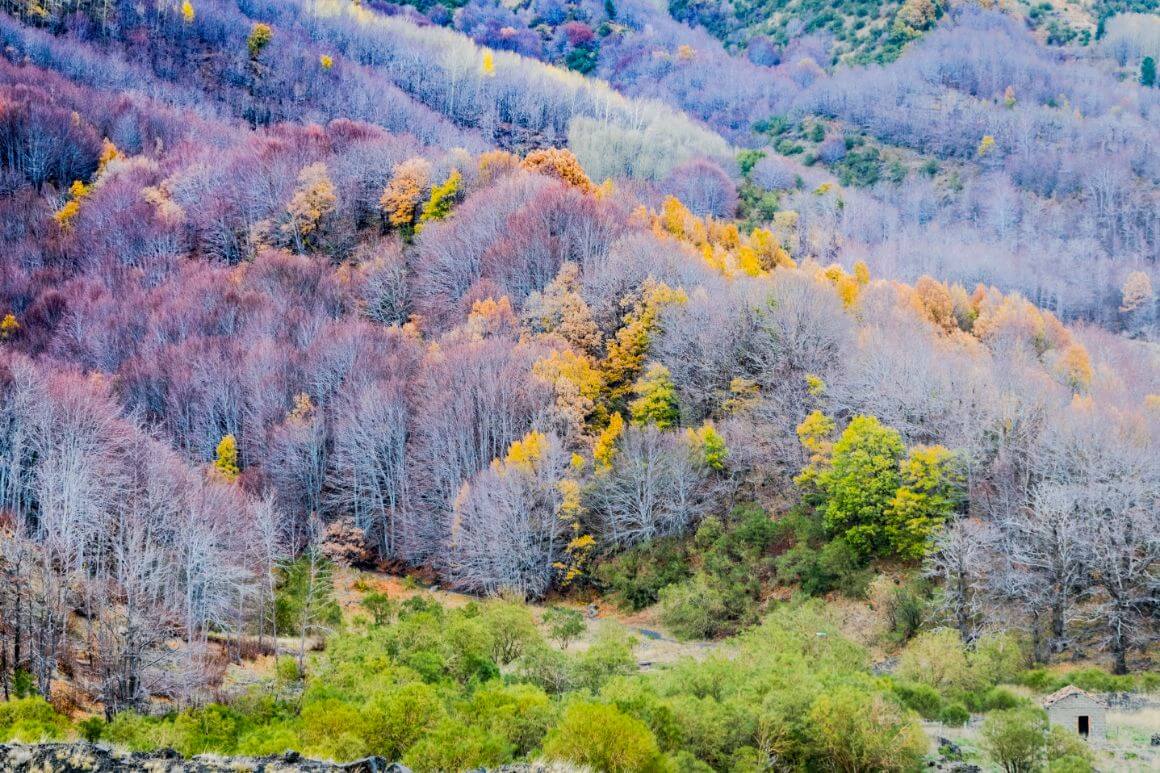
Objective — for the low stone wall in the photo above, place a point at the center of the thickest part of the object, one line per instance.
(97, 758)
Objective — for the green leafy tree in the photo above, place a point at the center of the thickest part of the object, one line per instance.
(1148, 72)
(452, 745)
(604, 739)
(1015, 738)
(709, 445)
(860, 483)
(932, 491)
(858, 731)
(564, 624)
(694, 609)
(381, 607)
(304, 603)
(397, 720)
(512, 630)
(519, 713)
(656, 398)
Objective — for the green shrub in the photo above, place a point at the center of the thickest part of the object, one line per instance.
(266, 740)
(685, 762)
(287, 669)
(564, 624)
(134, 732)
(332, 729)
(520, 714)
(91, 728)
(938, 659)
(1039, 679)
(511, 628)
(639, 698)
(452, 745)
(954, 714)
(23, 684)
(999, 699)
(857, 730)
(213, 728)
(919, 697)
(31, 720)
(998, 657)
(906, 609)
(380, 606)
(548, 668)
(816, 565)
(1068, 749)
(711, 729)
(601, 737)
(1015, 738)
(1070, 764)
(1097, 680)
(395, 721)
(608, 656)
(694, 609)
(635, 578)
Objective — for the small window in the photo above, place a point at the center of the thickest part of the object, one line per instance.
(1083, 726)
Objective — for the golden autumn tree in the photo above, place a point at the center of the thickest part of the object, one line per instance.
(604, 449)
(561, 310)
(313, 200)
(404, 192)
(576, 383)
(1075, 367)
(934, 301)
(9, 326)
(226, 458)
(561, 164)
(260, 36)
(494, 164)
(627, 350)
(709, 446)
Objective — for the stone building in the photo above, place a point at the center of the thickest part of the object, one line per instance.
(1078, 711)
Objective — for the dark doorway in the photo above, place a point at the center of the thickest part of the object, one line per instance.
(1083, 726)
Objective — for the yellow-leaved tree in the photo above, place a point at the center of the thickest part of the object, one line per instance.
(226, 458)
(403, 193)
(313, 200)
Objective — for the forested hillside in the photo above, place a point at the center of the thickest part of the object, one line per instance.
(574, 303)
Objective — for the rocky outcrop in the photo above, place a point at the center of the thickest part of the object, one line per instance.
(94, 758)
(97, 758)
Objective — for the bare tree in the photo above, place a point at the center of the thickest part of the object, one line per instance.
(507, 533)
(654, 488)
(961, 561)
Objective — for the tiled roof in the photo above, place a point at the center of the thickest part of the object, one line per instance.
(1067, 692)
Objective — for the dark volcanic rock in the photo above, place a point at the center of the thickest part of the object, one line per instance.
(92, 758)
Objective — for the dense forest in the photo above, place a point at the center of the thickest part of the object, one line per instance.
(739, 316)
